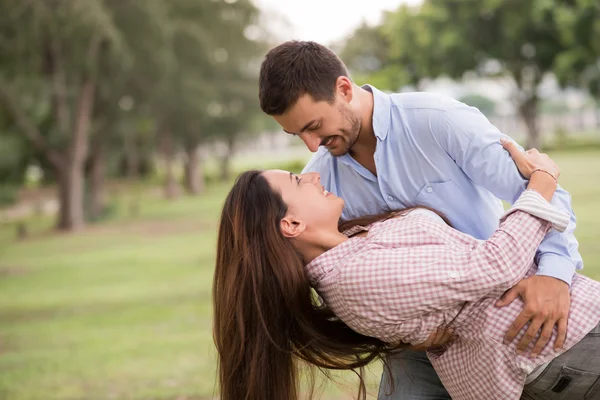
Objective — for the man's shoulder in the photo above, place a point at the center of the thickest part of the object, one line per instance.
(319, 162)
(424, 101)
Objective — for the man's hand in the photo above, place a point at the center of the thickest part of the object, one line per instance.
(438, 338)
(546, 303)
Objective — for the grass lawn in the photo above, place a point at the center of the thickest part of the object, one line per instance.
(123, 309)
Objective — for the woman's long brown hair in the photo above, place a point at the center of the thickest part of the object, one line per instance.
(265, 317)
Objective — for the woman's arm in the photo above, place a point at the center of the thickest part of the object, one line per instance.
(386, 286)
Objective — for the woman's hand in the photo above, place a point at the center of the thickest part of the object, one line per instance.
(531, 161)
(439, 337)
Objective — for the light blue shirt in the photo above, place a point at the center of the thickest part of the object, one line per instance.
(435, 151)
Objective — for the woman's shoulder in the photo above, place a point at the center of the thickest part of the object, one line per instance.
(409, 219)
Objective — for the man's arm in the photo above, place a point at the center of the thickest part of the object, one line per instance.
(473, 142)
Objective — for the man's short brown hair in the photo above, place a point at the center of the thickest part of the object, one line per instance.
(295, 68)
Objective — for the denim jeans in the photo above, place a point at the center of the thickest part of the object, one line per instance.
(574, 375)
(414, 378)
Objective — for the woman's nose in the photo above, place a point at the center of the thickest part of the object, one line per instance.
(313, 177)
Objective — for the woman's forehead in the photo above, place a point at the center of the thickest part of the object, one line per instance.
(279, 177)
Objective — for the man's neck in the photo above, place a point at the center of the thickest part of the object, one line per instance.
(363, 149)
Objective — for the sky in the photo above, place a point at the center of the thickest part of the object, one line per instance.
(326, 21)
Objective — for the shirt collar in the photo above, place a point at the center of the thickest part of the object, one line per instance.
(381, 111)
(318, 268)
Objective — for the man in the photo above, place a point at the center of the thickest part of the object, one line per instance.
(383, 152)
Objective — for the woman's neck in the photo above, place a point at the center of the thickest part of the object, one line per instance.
(312, 244)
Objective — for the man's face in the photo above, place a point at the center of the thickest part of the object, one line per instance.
(335, 126)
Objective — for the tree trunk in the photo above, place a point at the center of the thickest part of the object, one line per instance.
(226, 161)
(172, 189)
(529, 112)
(132, 170)
(97, 198)
(69, 164)
(70, 197)
(132, 157)
(71, 185)
(194, 179)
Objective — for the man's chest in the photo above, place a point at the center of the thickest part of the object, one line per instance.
(396, 186)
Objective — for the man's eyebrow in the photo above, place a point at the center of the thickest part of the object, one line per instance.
(305, 127)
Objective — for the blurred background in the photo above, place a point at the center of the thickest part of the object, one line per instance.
(123, 123)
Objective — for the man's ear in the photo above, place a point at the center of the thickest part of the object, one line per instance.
(345, 88)
(291, 227)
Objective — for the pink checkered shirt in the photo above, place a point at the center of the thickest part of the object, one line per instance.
(413, 274)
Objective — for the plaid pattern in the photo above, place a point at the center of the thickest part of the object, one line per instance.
(412, 274)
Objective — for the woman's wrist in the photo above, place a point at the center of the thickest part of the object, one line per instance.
(545, 172)
(544, 183)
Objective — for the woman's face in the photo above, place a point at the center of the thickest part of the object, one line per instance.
(310, 206)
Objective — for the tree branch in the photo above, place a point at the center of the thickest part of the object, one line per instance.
(85, 104)
(28, 127)
(59, 84)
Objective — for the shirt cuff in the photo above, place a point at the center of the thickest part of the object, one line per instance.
(533, 203)
(557, 267)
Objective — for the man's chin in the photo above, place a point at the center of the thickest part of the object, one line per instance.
(337, 151)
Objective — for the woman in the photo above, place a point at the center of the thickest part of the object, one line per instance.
(384, 285)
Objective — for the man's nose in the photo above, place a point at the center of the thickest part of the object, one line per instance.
(311, 141)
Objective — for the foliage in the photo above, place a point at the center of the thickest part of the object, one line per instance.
(486, 105)
(88, 83)
(520, 40)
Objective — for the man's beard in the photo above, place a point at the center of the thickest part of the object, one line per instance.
(348, 135)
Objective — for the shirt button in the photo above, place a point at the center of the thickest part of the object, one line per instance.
(453, 274)
(390, 198)
(429, 189)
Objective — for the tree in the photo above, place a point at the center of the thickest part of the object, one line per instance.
(46, 68)
(486, 105)
(210, 79)
(68, 69)
(579, 63)
(512, 38)
(411, 45)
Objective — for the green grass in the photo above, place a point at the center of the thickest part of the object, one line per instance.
(123, 310)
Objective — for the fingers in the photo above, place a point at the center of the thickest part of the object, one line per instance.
(516, 326)
(530, 334)
(448, 335)
(426, 344)
(439, 337)
(508, 297)
(439, 334)
(561, 336)
(512, 149)
(544, 338)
